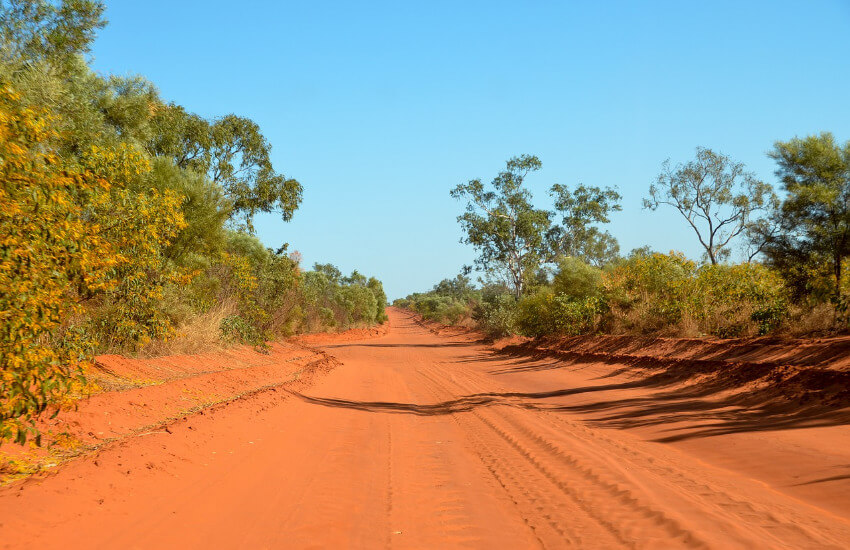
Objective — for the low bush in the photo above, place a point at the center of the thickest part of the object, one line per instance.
(737, 300)
(496, 313)
(577, 280)
(546, 313)
(330, 300)
(647, 292)
(443, 309)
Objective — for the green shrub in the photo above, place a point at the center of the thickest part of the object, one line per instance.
(574, 317)
(734, 300)
(577, 280)
(403, 303)
(647, 292)
(534, 314)
(331, 300)
(546, 313)
(361, 304)
(496, 313)
(326, 315)
(237, 329)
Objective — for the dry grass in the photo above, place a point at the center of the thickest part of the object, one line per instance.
(200, 333)
(810, 321)
(722, 322)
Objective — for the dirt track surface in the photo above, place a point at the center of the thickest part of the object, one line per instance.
(420, 440)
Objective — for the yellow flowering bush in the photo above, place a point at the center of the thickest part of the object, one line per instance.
(664, 291)
(138, 222)
(81, 262)
(49, 248)
(247, 325)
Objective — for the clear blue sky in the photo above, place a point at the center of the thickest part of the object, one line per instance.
(379, 108)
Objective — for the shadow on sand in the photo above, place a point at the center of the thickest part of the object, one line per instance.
(693, 398)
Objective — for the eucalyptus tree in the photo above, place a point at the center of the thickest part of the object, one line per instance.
(582, 210)
(503, 225)
(716, 196)
(233, 153)
(36, 30)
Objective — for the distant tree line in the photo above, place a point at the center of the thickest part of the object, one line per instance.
(557, 271)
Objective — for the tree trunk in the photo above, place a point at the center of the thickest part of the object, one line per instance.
(518, 287)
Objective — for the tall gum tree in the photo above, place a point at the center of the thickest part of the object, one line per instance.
(503, 225)
(582, 210)
(716, 196)
(233, 153)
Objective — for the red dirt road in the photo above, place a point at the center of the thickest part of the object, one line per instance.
(418, 440)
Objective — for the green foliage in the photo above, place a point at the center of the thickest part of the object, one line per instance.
(404, 303)
(204, 209)
(577, 279)
(726, 299)
(460, 288)
(139, 226)
(237, 329)
(652, 292)
(118, 215)
(503, 225)
(581, 210)
(377, 288)
(443, 309)
(573, 317)
(496, 312)
(546, 313)
(48, 246)
(332, 300)
(515, 240)
(649, 290)
(263, 284)
(233, 153)
(32, 30)
(571, 305)
(814, 218)
(534, 314)
(450, 302)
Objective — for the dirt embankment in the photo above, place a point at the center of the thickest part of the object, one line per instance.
(135, 397)
(780, 382)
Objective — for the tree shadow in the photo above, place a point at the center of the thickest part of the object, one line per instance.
(695, 389)
(705, 397)
(739, 399)
(822, 480)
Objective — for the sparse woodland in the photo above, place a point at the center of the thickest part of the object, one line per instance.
(558, 272)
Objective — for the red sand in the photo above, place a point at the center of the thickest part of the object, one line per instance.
(407, 438)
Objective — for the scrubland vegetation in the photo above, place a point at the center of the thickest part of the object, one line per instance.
(558, 272)
(126, 226)
(126, 222)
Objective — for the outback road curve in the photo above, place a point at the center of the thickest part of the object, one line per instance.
(418, 440)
